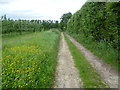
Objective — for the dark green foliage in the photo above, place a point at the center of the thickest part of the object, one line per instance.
(20, 26)
(64, 19)
(47, 24)
(97, 21)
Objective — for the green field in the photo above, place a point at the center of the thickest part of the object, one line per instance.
(29, 61)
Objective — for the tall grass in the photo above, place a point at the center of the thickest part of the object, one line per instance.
(29, 61)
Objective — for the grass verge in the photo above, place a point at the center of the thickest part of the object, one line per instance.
(100, 49)
(90, 78)
(29, 61)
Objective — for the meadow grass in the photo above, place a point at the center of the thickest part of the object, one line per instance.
(13, 34)
(29, 61)
(0, 63)
(100, 49)
(90, 78)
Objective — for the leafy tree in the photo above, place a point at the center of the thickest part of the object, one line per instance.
(64, 19)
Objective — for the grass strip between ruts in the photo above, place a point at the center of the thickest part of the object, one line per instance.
(90, 78)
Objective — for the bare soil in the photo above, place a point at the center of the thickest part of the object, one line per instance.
(106, 71)
(67, 75)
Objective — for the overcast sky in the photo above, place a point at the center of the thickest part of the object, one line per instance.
(39, 9)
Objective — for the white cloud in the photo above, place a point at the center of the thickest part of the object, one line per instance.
(39, 9)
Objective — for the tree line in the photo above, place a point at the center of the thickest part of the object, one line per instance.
(97, 21)
(20, 26)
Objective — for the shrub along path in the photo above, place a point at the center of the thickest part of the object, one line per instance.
(67, 75)
(106, 72)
